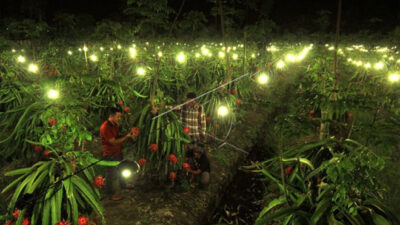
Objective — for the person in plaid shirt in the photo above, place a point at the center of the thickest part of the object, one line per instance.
(193, 116)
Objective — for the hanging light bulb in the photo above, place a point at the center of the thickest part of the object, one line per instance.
(379, 65)
(263, 78)
(223, 111)
(21, 59)
(141, 71)
(235, 56)
(132, 52)
(53, 94)
(33, 68)
(394, 77)
(181, 57)
(94, 58)
(280, 64)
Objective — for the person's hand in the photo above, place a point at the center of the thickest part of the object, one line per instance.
(129, 135)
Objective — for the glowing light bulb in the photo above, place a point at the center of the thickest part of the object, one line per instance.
(53, 94)
(205, 51)
(181, 57)
(280, 64)
(263, 78)
(235, 56)
(394, 77)
(94, 58)
(223, 111)
(290, 58)
(379, 65)
(126, 173)
(141, 71)
(132, 52)
(272, 48)
(33, 68)
(21, 59)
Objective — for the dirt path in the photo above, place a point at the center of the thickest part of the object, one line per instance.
(163, 205)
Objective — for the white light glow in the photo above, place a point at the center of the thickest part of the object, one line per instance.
(33, 68)
(235, 56)
(394, 77)
(379, 65)
(94, 58)
(280, 64)
(223, 111)
(141, 71)
(53, 94)
(132, 52)
(290, 58)
(21, 59)
(263, 78)
(181, 57)
(126, 173)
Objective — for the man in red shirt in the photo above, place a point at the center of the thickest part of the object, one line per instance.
(112, 145)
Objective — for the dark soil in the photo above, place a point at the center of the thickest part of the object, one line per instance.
(243, 200)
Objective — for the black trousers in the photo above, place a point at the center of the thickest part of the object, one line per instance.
(113, 177)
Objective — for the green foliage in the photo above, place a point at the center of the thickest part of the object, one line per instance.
(153, 15)
(55, 192)
(26, 29)
(343, 185)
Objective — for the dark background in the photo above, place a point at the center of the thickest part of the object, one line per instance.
(268, 16)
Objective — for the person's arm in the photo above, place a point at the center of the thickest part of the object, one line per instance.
(115, 141)
(177, 109)
(195, 172)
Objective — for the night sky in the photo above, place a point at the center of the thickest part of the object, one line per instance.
(379, 16)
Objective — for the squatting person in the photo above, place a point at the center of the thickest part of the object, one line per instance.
(199, 167)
